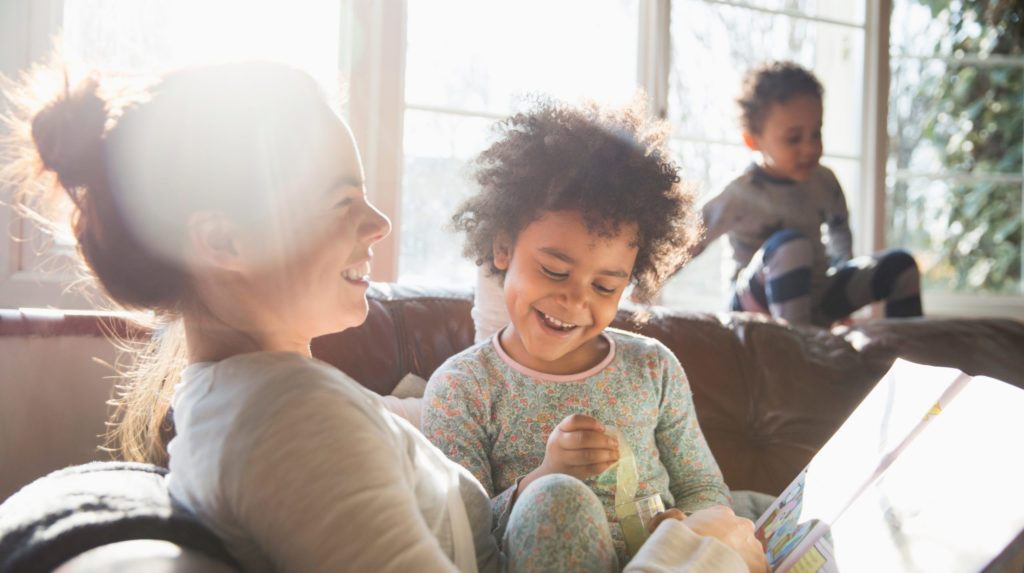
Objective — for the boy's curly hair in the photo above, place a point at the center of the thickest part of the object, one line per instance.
(770, 84)
(611, 165)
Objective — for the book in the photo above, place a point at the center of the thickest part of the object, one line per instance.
(927, 474)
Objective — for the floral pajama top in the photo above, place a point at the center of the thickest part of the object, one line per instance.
(494, 415)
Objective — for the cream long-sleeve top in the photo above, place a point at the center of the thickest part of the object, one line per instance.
(299, 468)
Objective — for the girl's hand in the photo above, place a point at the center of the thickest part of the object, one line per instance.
(579, 447)
(724, 525)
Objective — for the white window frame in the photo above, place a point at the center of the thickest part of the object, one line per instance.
(27, 28)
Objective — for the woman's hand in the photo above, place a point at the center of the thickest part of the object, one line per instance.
(579, 447)
(721, 523)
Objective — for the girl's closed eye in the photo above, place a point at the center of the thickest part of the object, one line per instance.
(553, 274)
(603, 289)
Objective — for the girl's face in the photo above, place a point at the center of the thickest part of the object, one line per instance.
(562, 289)
(318, 265)
(790, 138)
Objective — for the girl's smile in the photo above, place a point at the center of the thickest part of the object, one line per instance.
(563, 284)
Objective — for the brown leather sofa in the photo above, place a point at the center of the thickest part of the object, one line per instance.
(768, 395)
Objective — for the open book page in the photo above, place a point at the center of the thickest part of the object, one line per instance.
(953, 499)
(864, 445)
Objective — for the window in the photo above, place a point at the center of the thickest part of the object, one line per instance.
(605, 51)
(713, 44)
(458, 83)
(691, 55)
(955, 181)
(146, 36)
(930, 156)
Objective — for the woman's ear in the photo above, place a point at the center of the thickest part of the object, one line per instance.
(214, 241)
(502, 251)
(750, 140)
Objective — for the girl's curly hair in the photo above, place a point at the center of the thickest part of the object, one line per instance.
(611, 165)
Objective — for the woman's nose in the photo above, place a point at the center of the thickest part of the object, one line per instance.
(375, 226)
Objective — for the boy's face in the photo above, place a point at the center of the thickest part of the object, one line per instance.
(790, 138)
(562, 289)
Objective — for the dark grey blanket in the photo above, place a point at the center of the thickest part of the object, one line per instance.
(75, 509)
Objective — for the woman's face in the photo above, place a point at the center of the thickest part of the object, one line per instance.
(317, 263)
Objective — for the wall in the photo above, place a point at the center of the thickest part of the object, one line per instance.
(53, 395)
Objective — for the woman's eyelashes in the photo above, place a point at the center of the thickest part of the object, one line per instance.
(343, 203)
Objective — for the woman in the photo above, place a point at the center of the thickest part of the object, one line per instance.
(230, 200)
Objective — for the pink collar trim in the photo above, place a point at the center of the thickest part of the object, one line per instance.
(577, 377)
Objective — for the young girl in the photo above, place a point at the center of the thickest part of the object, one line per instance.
(576, 205)
(230, 201)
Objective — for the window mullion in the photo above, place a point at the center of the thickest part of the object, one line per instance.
(376, 114)
(875, 142)
(654, 53)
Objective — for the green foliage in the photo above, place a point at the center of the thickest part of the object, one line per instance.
(974, 116)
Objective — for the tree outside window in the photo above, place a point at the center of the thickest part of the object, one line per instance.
(956, 117)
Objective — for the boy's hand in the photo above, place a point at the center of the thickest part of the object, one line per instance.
(579, 447)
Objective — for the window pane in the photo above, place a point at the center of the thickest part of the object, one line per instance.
(931, 28)
(710, 166)
(713, 46)
(490, 55)
(953, 117)
(956, 143)
(435, 182)
(703, 283)
(480, 56)
(840, 10)
(966, 236)
(153, 35)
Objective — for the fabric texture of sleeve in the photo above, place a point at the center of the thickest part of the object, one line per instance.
(674, 547)
(489, 311)
(714, 221)
(695, 479)
(338, 500)
(455, 419)
(840, 238)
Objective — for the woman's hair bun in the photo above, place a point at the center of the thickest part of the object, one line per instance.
(68, 134)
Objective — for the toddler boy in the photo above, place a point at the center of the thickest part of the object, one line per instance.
(774, 212)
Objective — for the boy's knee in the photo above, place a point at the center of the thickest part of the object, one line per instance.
(789, 244)
(895, 267)
(897, 261)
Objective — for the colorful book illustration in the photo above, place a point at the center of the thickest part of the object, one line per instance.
(927, 474)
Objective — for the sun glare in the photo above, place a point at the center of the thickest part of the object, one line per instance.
(148, 36)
